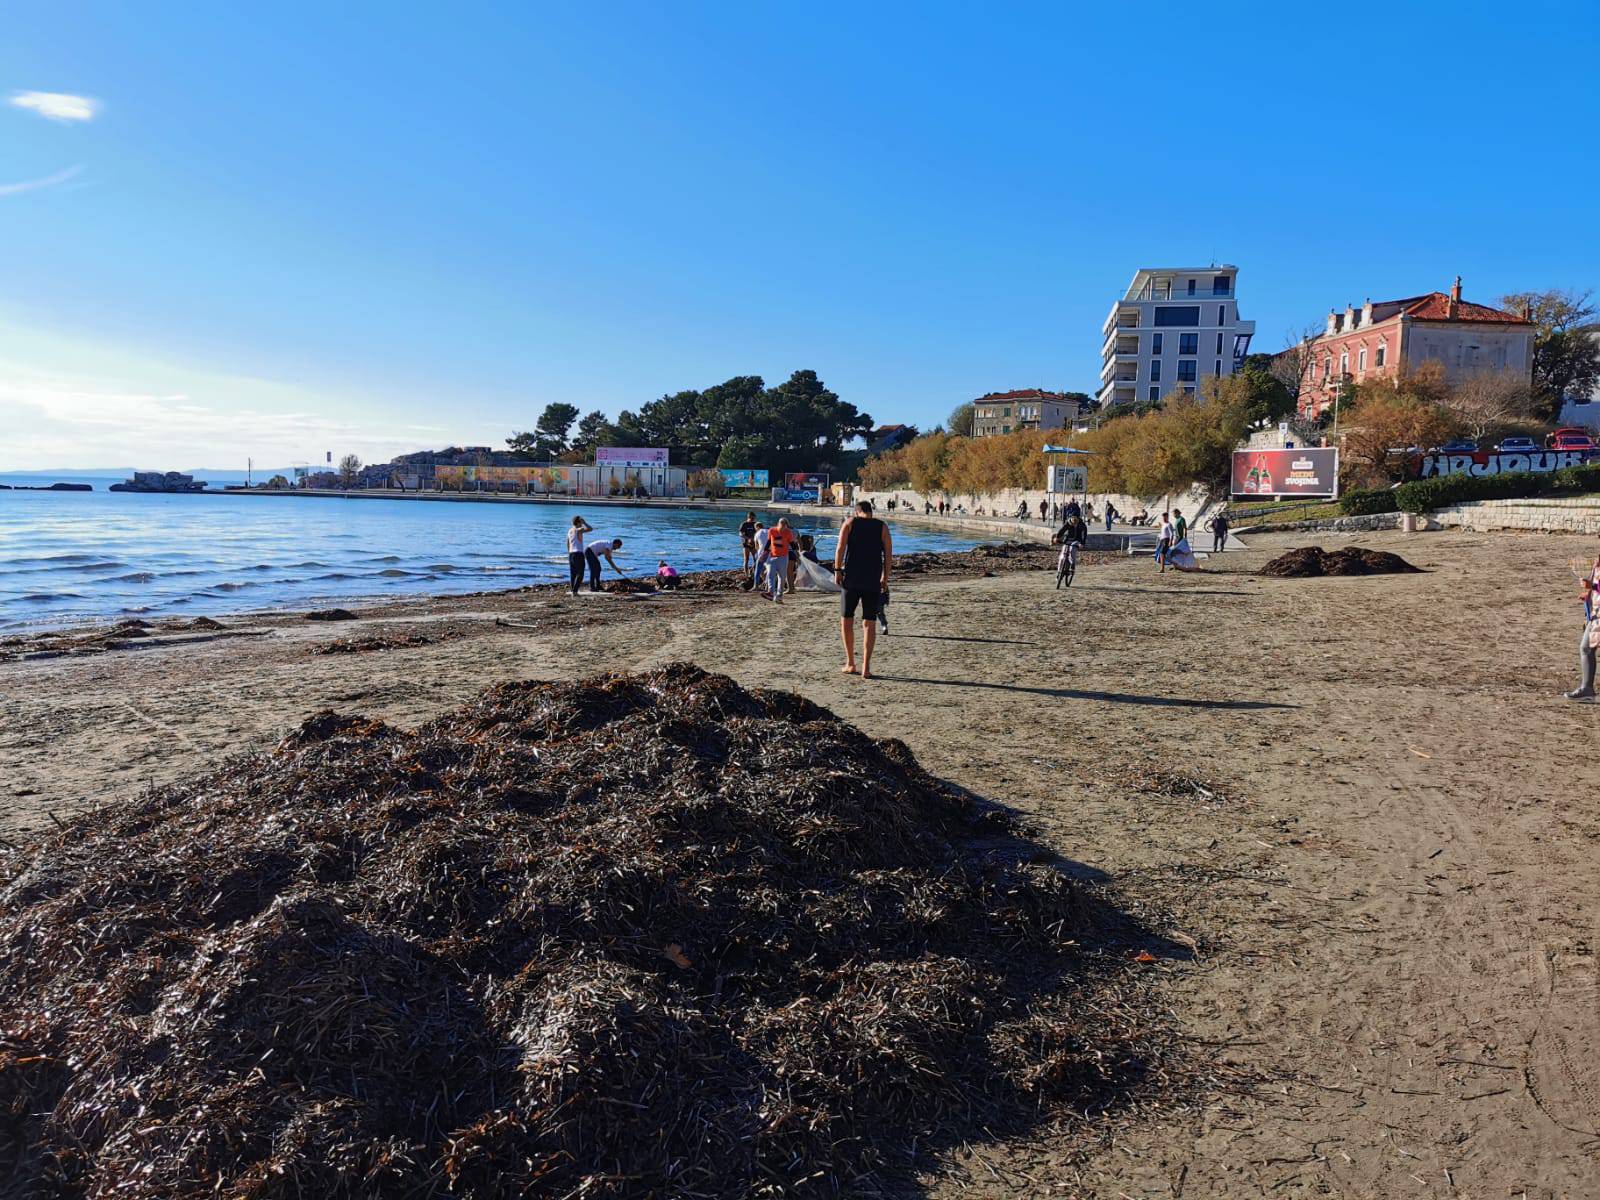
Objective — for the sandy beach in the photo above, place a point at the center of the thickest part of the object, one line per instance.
(1360, 799)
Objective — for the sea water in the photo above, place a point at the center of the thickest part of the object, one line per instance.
(69, 557)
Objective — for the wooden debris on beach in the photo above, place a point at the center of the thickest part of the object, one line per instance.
(636, 936)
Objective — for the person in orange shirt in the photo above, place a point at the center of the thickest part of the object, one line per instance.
(780, 541)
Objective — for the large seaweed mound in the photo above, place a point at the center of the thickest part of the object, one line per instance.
(1310, 562)
(642, 935)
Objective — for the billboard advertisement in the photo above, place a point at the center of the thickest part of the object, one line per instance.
(1491, 462)
(743, 479)
(630, 456)
(801, 487)
(1313, 471)
(1067, 479)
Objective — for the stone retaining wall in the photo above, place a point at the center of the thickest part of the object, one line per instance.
(1579, 514)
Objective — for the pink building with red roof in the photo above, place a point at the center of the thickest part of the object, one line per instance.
(1400, 335)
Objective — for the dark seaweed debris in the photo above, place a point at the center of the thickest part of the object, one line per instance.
(1309, 562)
(330, 614)
(642, 935)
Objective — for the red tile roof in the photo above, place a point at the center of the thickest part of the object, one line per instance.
(1435, 306)
(1024, 394)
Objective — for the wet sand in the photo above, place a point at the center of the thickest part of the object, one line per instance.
(1389, 873)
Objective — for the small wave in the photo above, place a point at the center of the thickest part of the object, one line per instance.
(235, 585)
(446, 566)
(393, 572)
(336, 575)
(262, 567)
(45, 597)
(310, 562)
(386, 558)
(134, 577)
(501, 567)
(139, 608)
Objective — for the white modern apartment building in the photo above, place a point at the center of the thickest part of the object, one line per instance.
(1172, 328)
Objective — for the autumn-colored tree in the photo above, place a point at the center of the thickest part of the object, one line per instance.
(1385, 422)
(884, 472)
(928, 458)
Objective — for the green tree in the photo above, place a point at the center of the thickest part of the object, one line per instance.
(742, 453)
(594, 430)
(1566, 352)
(960, 421)
(552, 427)
(1259, 397)
(523, 443)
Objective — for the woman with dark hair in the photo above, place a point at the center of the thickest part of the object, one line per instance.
(575, 560)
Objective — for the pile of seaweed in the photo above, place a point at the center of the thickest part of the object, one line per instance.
(641, 935)
(1308, 562)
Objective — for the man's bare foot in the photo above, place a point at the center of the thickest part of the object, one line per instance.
(848, 669)
(868, 675)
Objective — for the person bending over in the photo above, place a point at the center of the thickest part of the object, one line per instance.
(861, 564)
(594, 552)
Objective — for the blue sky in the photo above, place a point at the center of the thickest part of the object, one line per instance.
(294, 228)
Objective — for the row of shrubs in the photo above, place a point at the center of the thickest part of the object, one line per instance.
(1425, 495)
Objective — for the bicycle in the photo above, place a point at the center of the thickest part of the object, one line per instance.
(1067, 565)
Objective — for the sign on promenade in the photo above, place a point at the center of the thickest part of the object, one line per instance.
(1308, 471)
(737, 478)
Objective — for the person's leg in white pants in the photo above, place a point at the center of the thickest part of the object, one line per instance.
(1585, 667)
(778, 572)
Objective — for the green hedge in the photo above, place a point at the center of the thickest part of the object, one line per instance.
(1366, 501)
(1425, 495)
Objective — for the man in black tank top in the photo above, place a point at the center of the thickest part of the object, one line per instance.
(861, 565)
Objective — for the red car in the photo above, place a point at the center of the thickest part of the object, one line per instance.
(1569, 439)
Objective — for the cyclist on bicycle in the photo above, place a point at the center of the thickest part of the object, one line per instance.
(1071, 537)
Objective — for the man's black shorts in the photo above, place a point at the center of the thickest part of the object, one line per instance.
(867, 598)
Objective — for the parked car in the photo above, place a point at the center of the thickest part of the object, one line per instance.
(1457, 446)
(1569, 439)
(1518, 445)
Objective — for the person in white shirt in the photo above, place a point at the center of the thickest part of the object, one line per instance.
(1165, 544)
(594, 552)
(575, 533)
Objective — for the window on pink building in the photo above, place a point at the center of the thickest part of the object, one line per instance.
(1383, 351)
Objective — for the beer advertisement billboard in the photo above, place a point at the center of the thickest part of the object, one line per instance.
(1313, 471)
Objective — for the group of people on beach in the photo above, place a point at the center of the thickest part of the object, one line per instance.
(774, 556)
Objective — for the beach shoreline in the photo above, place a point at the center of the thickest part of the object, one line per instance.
(1394, 941)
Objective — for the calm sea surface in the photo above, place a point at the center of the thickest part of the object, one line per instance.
(67, 557)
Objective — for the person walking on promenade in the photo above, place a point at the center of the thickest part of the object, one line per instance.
(1088, 512)
(594, 552)
(1219, 532)
(1111, 515)
(780, 540)
(575, 563)
(1164, 542)
(747, 540)
(861, 563)
(1044, 510)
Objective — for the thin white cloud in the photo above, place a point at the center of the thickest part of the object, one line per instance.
(33, 185)
(57, 106)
